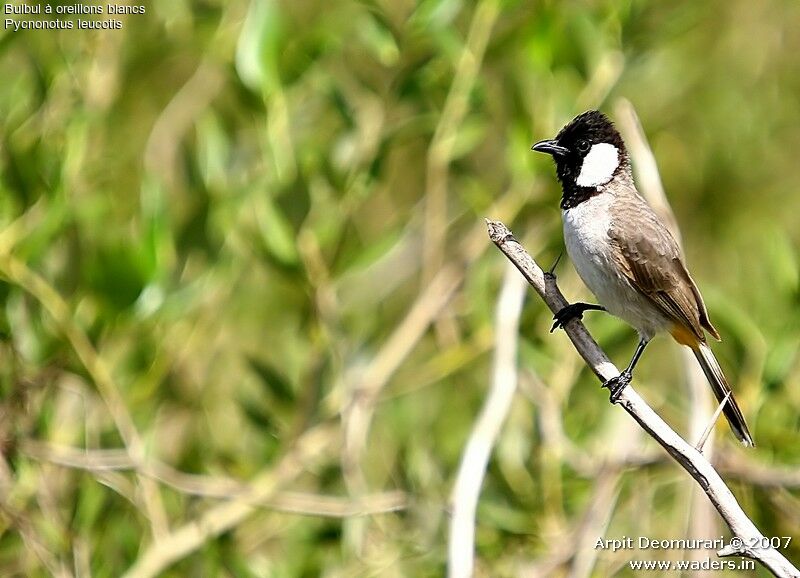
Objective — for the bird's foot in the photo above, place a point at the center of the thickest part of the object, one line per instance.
(572, 311)
(617, 384)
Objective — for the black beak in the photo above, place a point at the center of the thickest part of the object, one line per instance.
(550, 147)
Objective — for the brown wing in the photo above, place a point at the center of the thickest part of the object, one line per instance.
(651, 260)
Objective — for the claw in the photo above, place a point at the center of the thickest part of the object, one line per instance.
(616, 385)
(572, 311)
(552, 269)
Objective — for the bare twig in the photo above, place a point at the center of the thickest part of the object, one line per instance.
(306, 504)
(749, 539)
(757, 474)
(97, 460)
(703, 438)
(482, 439)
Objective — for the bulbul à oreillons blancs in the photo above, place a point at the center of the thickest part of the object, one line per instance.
(626, 255)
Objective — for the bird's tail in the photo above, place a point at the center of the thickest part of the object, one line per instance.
(721, 389)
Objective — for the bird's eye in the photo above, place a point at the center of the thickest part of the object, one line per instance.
(583, 145)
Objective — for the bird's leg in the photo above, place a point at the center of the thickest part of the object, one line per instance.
(616, 384)
(552, 270)
(573, 311)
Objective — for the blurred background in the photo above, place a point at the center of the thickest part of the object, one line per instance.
(248, 301)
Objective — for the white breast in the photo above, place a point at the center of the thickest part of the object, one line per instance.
(588, 245)
(586, 235)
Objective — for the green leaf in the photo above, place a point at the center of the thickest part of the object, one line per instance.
(276, 232)
(260, 46)
(276, 384)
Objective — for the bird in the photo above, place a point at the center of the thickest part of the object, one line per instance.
(626, 255)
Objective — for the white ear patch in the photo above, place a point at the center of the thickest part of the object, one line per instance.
(598, 165)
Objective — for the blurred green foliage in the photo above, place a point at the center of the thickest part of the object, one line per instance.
(233, 202)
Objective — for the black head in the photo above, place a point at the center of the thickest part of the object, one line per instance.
(589, 153)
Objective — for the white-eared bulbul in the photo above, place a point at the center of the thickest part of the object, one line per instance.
(626, 255)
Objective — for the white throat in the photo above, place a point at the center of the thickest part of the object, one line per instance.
(598, 165)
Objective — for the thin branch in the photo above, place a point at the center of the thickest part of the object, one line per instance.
(711, 422)
(487, 428)
(748, 537)
(307, 504)
(758, 474)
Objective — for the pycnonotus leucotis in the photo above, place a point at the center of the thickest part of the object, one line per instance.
(626, 255)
